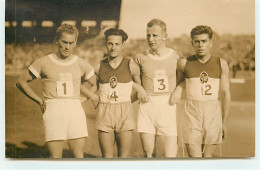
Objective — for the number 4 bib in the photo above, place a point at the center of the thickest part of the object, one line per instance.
(160, 82)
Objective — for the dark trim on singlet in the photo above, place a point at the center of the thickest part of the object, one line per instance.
(194, 67)
(122, 72)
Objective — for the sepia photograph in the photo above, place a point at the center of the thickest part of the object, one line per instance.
(129, 79)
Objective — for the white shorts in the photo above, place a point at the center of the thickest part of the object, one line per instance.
(64, 119)
(157, 117)
(202, 122)
(115, 117)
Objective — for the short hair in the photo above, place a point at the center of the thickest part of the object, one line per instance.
(117, 32)
(201, 29)
(66, 28)
(158, 22)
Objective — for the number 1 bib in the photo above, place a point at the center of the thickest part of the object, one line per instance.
(65, 85)
(65, 88)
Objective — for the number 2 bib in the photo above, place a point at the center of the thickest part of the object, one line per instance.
(160, 82)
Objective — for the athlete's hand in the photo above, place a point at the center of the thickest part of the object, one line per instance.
(224, 131)
(142, 96)
(42, 106)
(94, 97)
(175, 96)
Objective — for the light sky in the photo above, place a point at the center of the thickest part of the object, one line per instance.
(224, 16)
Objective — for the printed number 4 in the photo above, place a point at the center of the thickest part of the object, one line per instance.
(162, 84)
(114, 96)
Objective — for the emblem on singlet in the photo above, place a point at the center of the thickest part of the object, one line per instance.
(204, 77)
(113, 82)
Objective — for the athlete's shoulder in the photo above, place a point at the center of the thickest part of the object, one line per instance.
(181, 64)
(224, 65)
(42, 60)
(139, 58)
(192, 58)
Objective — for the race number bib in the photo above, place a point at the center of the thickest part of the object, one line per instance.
(65, 88)
(160, 82)
(206, 89)
(113, 95)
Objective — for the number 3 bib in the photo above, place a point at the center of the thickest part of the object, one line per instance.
(160, 82)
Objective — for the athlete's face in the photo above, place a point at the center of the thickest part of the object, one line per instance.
(66, 44)
(155, 37)
(114, 46)
(201, 44)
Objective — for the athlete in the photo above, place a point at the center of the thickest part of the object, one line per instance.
(206, 80)
(115, 121)
(61, 74)
(157, 118)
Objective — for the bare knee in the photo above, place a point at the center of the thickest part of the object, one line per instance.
(194, 150)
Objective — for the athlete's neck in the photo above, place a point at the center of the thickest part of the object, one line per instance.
(114, 62)
(203, 59)
(160, 51)
(63, 58)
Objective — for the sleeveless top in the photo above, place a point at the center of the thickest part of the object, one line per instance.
(115, 85)
(202, 79)
(158, 73)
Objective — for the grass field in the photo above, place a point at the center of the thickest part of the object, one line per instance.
(25, 133)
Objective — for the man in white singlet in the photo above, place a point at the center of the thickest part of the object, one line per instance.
(62, 74)
(157, 118)
(207, 96)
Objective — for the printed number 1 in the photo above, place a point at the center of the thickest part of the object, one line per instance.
(64, 85)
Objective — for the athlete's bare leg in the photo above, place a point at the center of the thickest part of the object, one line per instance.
(148, 141)
(209, 150)
(194, 150)
(124, 140)
(55, 148)
(106, 142)
(77, 147)
(167, 145)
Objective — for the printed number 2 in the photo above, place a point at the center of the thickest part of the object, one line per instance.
(208, 87)
(65, 90)
(162, 84)
(114, 96)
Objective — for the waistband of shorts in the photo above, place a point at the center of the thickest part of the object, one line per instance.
(203, 101)
(159, 94)
(61, 100)
(121, 102)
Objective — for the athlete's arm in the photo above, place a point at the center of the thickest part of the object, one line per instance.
(135, 71)
(24, 87)
(89, 89)
(176, 94)
(224, 95)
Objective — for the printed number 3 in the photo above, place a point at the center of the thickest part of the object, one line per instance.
(162, 84)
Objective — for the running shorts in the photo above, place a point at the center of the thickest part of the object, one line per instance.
(115, 117)
(157, 116)
(64, 119)
(202, 122)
